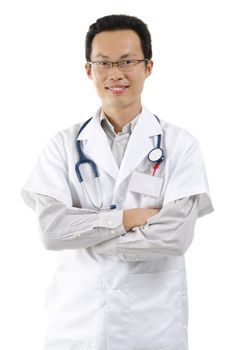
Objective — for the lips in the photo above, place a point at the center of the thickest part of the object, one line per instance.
(117, 88)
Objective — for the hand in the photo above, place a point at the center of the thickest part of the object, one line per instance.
(137, 217)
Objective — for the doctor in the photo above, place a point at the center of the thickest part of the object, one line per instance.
(122, 229)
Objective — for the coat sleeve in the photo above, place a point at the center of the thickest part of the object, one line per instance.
(188, 174)
(49, 176)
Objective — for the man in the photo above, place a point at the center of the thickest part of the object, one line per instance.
(118, 197)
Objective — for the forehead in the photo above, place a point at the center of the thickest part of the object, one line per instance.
(115, 44)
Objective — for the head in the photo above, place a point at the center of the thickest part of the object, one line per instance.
(119, 38)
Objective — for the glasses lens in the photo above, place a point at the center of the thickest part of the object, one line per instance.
(127, 65)
(102, 65)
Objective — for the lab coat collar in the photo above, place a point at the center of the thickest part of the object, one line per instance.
(97, 146)
(139, 145)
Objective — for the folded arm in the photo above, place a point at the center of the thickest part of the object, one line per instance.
(151, 233)
(170, 232)
(71, 228)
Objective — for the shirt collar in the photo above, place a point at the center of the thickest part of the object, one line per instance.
(127, 128)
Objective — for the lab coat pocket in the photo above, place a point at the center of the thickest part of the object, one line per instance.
(155, 310)
(73, 305)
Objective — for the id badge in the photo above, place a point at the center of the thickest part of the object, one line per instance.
(146, 184)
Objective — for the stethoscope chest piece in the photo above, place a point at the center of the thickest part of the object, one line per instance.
(156, 155)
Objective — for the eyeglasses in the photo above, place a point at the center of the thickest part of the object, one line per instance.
(124, 66)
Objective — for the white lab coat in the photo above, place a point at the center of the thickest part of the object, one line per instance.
(98, 302)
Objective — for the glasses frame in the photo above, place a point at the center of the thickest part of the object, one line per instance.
(111, 64)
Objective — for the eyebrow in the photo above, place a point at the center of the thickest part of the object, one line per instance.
(121, 57)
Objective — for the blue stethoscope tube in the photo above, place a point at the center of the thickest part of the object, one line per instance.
(84, 160)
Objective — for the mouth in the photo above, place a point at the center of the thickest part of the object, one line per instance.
(117, 90)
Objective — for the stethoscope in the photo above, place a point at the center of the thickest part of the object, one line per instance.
(155, 156)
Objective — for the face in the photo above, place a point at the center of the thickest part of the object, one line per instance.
(117, 89)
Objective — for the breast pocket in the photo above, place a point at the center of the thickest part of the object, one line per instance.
(146, 189)
(155, 310)
(73, 305)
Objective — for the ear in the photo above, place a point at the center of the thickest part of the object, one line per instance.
(149, 67)
(88, 70)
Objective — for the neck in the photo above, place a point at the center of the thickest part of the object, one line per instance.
(119, 117)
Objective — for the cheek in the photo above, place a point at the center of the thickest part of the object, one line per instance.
(97, 82)
(138, 84)
(99, 87)
(137, 80)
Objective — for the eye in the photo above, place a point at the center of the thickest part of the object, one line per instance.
(126, 63)
(103, 63)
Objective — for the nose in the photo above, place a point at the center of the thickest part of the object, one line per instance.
(115, 73)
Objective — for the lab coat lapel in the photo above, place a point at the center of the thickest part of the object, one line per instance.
(140, 144)
(96, 146)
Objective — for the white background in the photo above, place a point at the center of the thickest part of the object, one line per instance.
(44, 89)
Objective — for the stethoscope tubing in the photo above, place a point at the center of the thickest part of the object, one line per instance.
(84, 160)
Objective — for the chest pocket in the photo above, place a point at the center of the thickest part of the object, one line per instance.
(146, 184)
(145, 188)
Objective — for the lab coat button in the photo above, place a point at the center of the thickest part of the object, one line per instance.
(109, 222)
(113, 232)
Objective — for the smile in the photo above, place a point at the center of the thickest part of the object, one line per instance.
(117, 89)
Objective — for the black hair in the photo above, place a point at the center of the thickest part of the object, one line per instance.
(119, 22)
